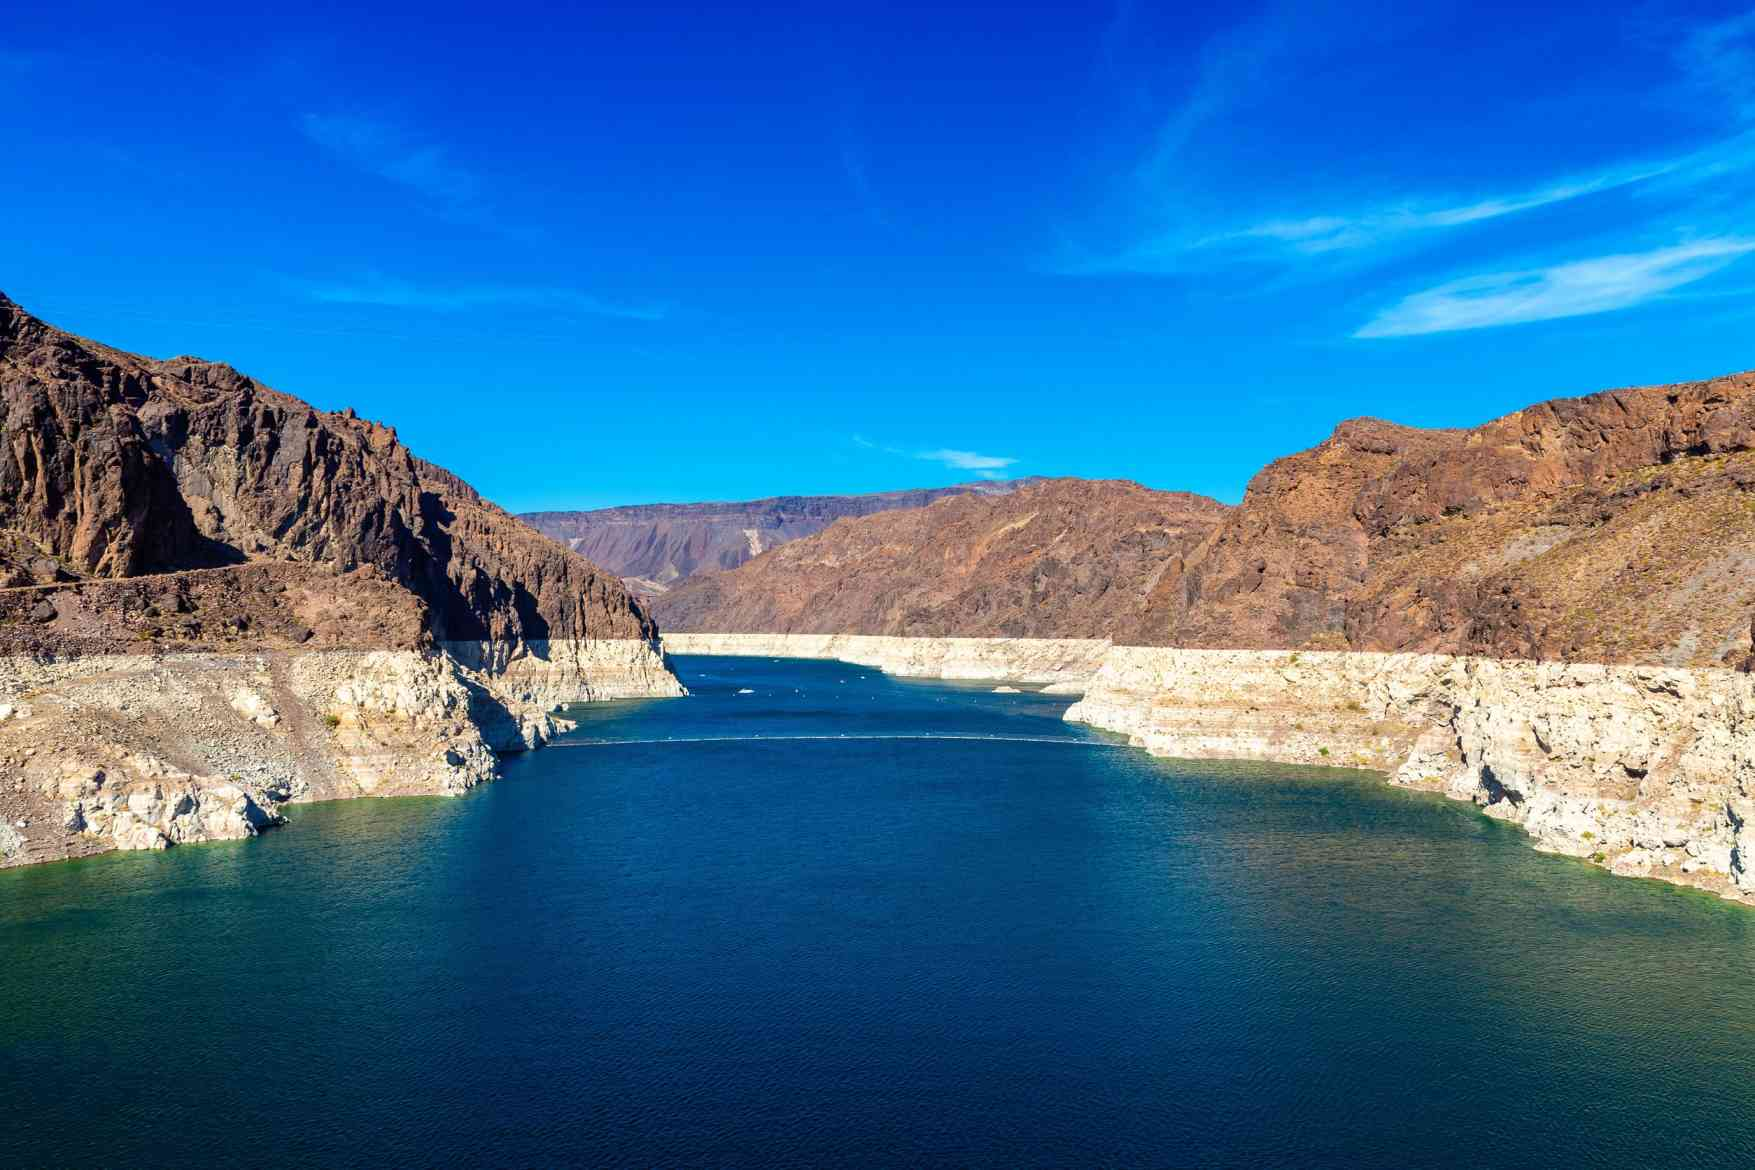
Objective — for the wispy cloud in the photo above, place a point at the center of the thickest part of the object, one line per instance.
(967, 460)
(984, 466)
(394, 153)
(1369, 228)
(1233, 67)
(1293, 238)
(1575, 289)
(1173, 213)
(1720, 58)
(390, 292)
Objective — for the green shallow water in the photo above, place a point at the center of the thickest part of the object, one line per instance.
(847, 920)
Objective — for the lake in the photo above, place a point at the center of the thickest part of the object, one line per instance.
(816, 916)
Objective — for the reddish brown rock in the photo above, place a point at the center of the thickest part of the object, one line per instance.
(655, 546)
(1616, 527)
(1056, 558)
(116, 465)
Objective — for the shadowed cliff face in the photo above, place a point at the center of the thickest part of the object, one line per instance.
(117, 465)
(1061, 558)
(655, 546)
(1614, 527)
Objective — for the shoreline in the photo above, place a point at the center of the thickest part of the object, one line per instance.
(1059, 665)
(128, 751)
(1645, 771)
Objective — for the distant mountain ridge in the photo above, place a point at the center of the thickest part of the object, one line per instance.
(1056, 558)
(654, 546)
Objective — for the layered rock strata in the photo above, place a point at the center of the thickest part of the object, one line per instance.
(143, 751)
(1647, 770)
(137, 751)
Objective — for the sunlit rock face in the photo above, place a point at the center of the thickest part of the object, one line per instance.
(223, 599)
(1648, 770)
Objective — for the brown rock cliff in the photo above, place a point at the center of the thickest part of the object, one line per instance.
(115, 465)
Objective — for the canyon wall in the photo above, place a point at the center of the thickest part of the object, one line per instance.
(1613, 527)
(216, 599)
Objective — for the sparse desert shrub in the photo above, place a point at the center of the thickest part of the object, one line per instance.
(332, 721)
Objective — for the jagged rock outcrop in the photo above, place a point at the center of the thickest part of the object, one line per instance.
(116, 465)
(1617, 527)
(1061, 558)
(218, 600)
(654, 546)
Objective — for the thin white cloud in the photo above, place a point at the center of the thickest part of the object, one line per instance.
(967, 460)
(1177, 231)
(401, 294)
(1235, 67)
(1331, 233)
(1292, 239)
(394, 153)
(1575, 289)
(984, 466)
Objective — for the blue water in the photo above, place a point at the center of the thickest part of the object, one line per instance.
(725, 945)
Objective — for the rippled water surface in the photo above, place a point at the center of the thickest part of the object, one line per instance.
(848, 920)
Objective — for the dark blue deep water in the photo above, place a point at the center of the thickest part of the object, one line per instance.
(724, 950)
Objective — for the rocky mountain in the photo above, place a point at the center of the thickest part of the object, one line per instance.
(217, 601)
(116, 465)
(654, 546)
(1060, 558)
(1616, 527)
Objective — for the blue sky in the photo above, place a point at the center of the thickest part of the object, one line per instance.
(662, 252)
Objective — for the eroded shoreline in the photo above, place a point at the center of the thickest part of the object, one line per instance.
(1647, 771)
(146, 751)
